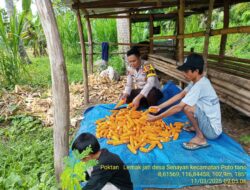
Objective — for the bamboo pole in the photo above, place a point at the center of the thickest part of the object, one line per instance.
(223, 40)
(217, 57)
(208, 28)
(230, 71)
(60, 88)
(236, 89)
(130, 29)
(151, 27)
(176, 32)
(237, 107)
(84, 64)
(226, 92)
(181, 31)
(231, 66)
(90, 42)
(238, 81)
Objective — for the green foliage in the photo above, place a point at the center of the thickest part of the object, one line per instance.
(11, 68)
(75, 168)
(118, 64)
(245, 139)
(140, 32)
(26, 152)
(104, 30)
(67, 26)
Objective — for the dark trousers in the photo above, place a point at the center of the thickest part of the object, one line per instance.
(151, 100)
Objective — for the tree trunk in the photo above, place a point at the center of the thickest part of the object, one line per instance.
(60, 88)
(9, 5)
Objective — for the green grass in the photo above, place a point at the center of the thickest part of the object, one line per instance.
(245, 139)
(39, 74)
(26, 152)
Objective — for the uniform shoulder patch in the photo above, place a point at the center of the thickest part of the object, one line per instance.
(149, 70)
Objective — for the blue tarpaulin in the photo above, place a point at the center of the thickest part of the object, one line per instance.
(224, 161)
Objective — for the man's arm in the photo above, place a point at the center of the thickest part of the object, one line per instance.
(128, 87)
(174, 109)
(173, 99)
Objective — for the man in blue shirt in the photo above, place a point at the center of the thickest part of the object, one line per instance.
(200, 103)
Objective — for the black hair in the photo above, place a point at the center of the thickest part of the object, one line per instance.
(199, 69)
(134, 51)
(83, 141)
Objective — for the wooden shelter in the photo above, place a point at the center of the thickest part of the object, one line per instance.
(219, 68)
(230, 76)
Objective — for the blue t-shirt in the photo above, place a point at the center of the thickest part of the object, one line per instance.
(203, 95)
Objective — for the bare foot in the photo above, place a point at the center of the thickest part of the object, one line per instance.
(198, 140)
(189, 129)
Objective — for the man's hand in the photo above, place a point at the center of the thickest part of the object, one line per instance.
(154, 109)
(152, 118)
(123, 96)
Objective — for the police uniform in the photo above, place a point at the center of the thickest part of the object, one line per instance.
(143, 81)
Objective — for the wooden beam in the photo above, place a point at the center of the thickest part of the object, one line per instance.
(96, 4)
(181, 31)
(84, 64)
(151, 28)
(60, 88)
(130, 29)
(223, 40)
(90, 42)
(207, 34)
(115, 4)
(233, 30)
(131, 10)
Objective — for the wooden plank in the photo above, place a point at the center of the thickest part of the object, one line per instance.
(60, 88)
(207, 35)
(84, 63)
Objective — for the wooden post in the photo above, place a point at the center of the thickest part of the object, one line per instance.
(84, 64)
(130, 29)
(90, 42)
(151, 28)
(208, 29)
(223, 40)
(60, 88)
(181, 31)
(176, 32)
